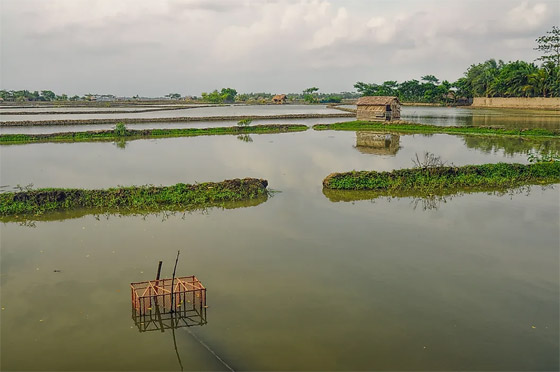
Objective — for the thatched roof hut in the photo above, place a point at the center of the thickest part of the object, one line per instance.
(375, 108)
(279, 99)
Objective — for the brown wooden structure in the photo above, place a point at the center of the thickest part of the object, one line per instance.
(376, 108)
(279, 99)
(168, 296)
(377, 143)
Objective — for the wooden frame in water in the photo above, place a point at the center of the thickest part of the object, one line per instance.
(178, 295)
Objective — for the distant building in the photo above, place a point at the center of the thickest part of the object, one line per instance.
(279, 99)
(376, 108)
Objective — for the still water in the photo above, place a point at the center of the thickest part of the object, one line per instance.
(225, 110)
(297, 282)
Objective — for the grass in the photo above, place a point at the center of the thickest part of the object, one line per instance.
(121, 132)
(411, 128)
(177, 197)
(437, 179)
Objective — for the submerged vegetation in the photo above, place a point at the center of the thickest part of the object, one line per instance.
(429, 179)
(412, 128)
(130, 199)
(122, 132)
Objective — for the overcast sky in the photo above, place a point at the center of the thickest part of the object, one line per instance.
(154, 47)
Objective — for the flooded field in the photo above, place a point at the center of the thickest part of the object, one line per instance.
(225, 110)
(294, 282)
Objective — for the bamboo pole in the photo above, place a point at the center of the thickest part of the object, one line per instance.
(172, 283)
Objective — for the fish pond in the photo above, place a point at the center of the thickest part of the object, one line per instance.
(302, 279)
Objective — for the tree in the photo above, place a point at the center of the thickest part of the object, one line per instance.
(48, 95)
(550, 45)
(430, 79)
(173, 95)
(309, 95)
(228, 94)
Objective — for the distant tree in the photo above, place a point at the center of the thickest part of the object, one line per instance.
(173, 95)
(309, 95)
(430, 79)
(366, 89)
(228, 94)
(225, 95)
(549, 44)
(48, 95)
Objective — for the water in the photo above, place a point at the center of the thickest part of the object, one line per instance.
(226, 110)
(190, 124)
(297, 282)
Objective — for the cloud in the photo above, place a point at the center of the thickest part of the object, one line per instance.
(154, 47)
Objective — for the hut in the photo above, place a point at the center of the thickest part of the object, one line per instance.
(377, 108)
(279, 99)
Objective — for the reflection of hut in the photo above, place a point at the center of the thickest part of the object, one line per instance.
(377, 143)
(279, 99)
(378, 108)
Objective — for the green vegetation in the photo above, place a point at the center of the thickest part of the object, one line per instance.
(179, 196)
(245, 122)
(487, 79)
(121, 132)
(550, 46)
(411, 128)
(434, 179)
(226, 95)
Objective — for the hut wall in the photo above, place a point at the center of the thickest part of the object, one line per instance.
(396, 110)
(374, 113)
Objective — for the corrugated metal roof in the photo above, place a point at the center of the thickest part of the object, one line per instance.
(376, 100)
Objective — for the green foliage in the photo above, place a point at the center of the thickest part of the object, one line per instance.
(310, 95)
(245, 122)
(432, 179)
(182, 196)
(110, 135)
(331, 99)
(120, 130)
(226, 95)
(549, 44)
(173, 95)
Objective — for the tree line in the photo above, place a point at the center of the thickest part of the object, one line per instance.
(488, 79)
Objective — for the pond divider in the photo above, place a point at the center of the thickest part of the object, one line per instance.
(129, 199)
(24, 123)
(430, 180)
(413, 128)
(130, 134)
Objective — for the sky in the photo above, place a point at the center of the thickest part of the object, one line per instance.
(152, 48)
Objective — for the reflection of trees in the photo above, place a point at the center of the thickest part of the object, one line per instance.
(512, 145)
(377, 143)
(245, 138)
(418, 199)
(517, 120)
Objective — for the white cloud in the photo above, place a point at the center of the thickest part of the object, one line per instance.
(153, 47)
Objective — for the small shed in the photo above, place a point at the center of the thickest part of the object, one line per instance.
(375, 108)
(279, 99)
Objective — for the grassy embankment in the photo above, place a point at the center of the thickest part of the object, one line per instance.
(135, 198)
(412, 128)
(129, 134)
(429, 180)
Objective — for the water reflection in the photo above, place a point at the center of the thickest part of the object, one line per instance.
(98, 213)
(377, 143)
(161, 321)
(512, 145)
(422, 200)
(245, 138)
